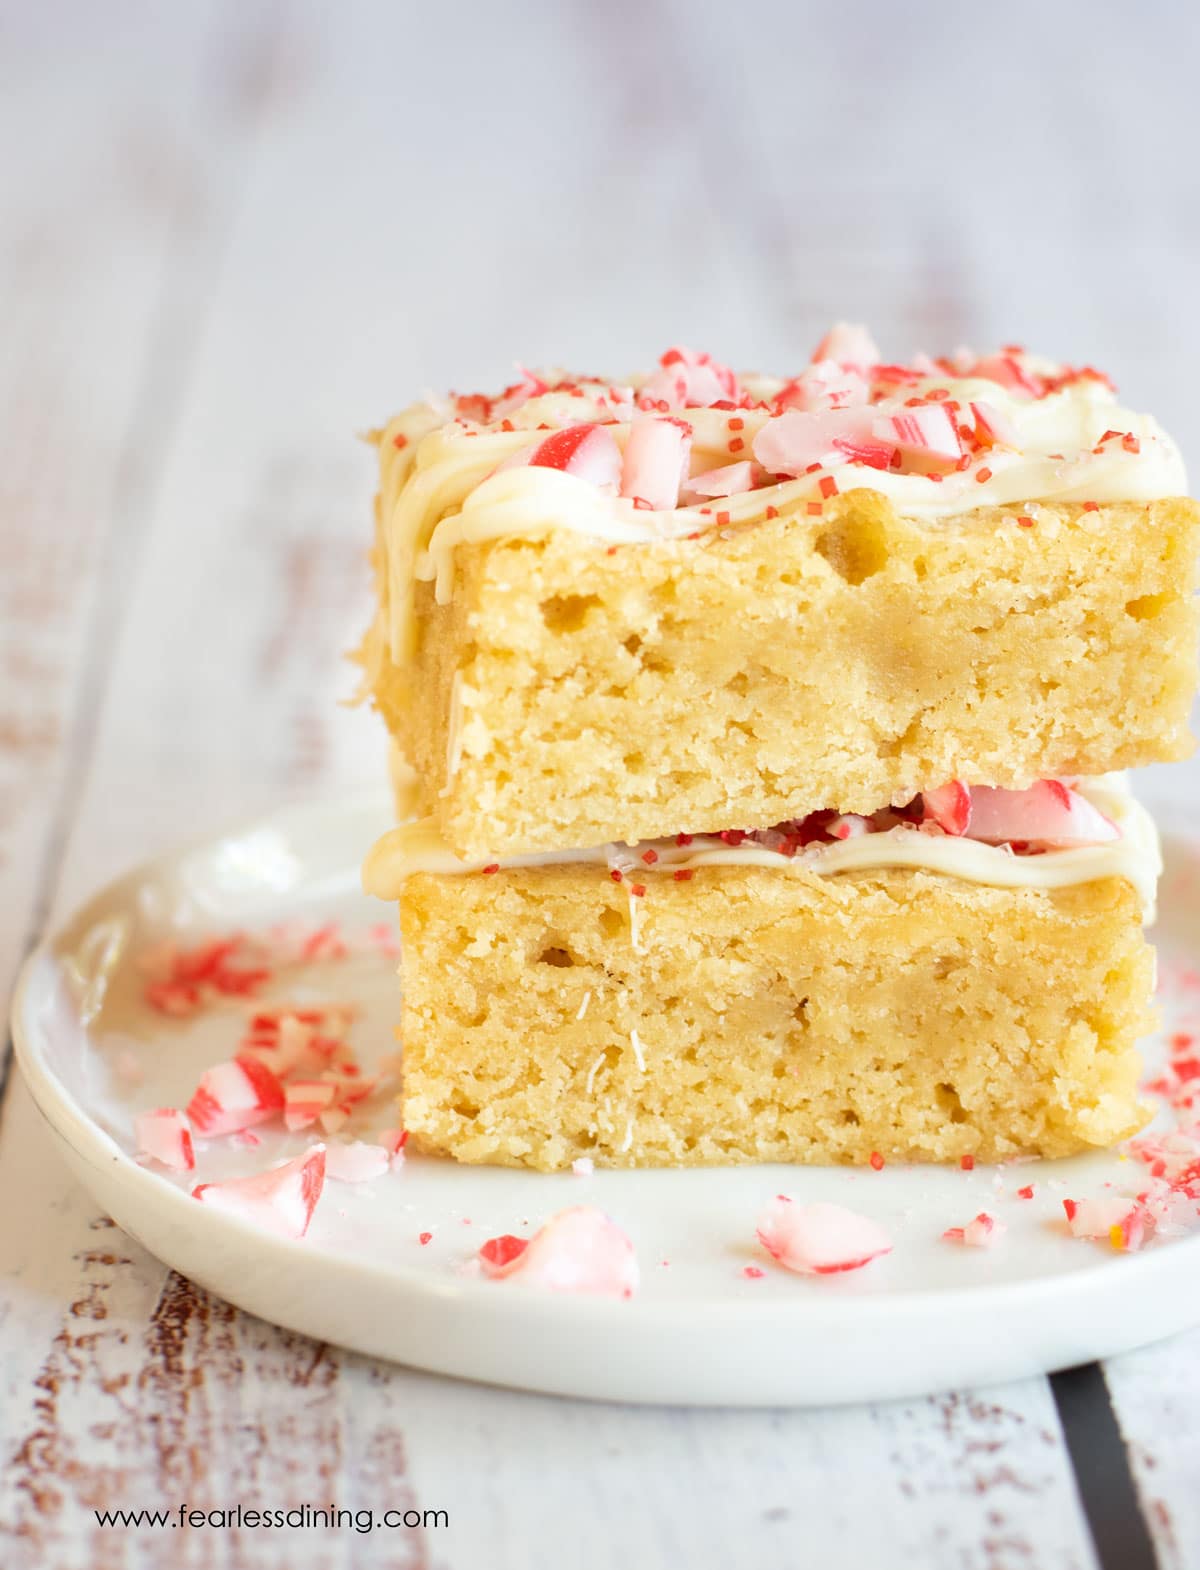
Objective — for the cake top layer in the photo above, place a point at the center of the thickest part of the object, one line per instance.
(694, 446)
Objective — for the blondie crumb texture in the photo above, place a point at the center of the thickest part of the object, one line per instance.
(571, 693)
(767, 1017)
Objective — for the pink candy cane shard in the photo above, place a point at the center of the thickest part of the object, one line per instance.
(578, 1250)
(655, 461)
(729, 480)
(1008, 372)
(281, 1200)
(927, 432)
(1121, 1221)
(992, 426)
(1048, 813)
(820, 1239)
(949, 807)
(848, 343)
(688, 380)
(356, 1162)
(825, 385)
(983, 1232)
(587, 451)
(233, 1096)
(164, 1136)
(305, 1100)
(793, 441)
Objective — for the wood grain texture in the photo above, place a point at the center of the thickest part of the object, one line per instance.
(243, 232)
(1156, 1395)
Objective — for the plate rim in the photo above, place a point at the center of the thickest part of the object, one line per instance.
(812, 1309)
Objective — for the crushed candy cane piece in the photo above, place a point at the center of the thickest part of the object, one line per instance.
(1117, 1219)
(1048, 813)
(282, 1199)
(848, 826)
(356, 1162)
(983, 1232)
(824, 385)
(689, 380)
(164, 1136)
(848, 343)
(656, 460)
(927, 433)
(304, 1100)
(820, 1239)
(729, 480)
(794, 441)
(587, 451)
(393, 1141)
(233, 1096)
(578, 1250)
(991, 427)
(949, 806)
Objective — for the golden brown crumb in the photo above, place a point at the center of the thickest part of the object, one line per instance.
(767, 1016)
(845, 662)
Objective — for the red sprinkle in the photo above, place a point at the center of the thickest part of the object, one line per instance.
(736, 423)
(683, 839)
(1130, 442)
(722, 517)
(616, 874)
(753, 1273)
(815, 509)
(637, 890)
(967, 1163)
(983, 475)
(425, 1237)
(1091, 506)
(500, 1250)
(1070, 1206)
(683, 875)
(1026, 1192)
(772, 512)
(399, 440)
(1025, 522)
(877, 1161)
(736, 444)
(492, 866)
(828, 486)
(649, 857)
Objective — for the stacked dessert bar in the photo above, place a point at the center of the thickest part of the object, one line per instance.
(758, 743)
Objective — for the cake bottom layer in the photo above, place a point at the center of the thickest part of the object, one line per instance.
(749, 1015)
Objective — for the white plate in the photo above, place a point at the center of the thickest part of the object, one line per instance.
(927, 1317)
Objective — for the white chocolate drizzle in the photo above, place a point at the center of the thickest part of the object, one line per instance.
(418, 847)
(439, 487)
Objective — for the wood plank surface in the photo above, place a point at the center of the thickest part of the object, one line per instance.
(243, 233)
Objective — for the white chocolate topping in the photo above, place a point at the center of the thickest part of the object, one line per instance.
(440, 486)
(418, 847)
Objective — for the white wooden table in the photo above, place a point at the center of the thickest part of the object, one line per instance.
(234, 234)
